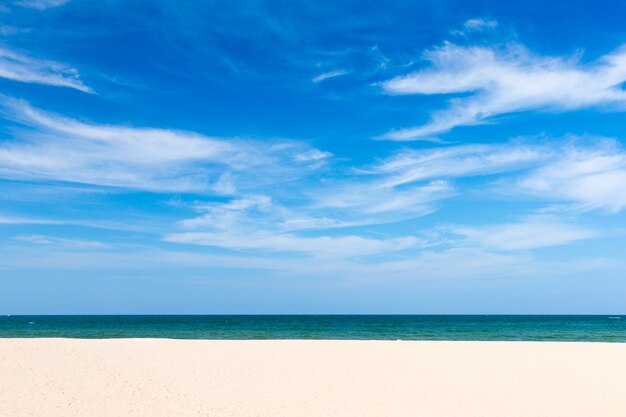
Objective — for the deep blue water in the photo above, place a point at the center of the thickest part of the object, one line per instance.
(408, 327)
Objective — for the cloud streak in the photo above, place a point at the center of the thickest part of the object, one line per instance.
(587, 173)
(328, 75)
(501, 80)
(579, 173)
(19, 67)
(260, 224)
(55, 148)
(60, 241)
(40, 4)
(531, 233)
(323, 246)
(590, 178)
(479, 24)
(409, 166)
(475, 25)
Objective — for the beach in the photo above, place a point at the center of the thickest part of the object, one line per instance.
(164, 377)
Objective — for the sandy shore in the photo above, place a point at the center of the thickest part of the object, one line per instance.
(132, 377)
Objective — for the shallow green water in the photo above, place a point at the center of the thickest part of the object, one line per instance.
(408, 327)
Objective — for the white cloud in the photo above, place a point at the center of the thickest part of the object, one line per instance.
(588, 173)
(23, 220)
(479, 24)
(363, 197)
(249, 211)
(54, 148)
(276, 221)
(330, 74)
(19, 67)
(589, 177)
(457, 264)
(6, 30)
(258, 223)
(127, 257)
(41, 4)
(475, 25)
(323, 246)
(313, 155)
(405, 186)
(411, 184)
(505, 80)
(60, 241)
(531, 233)
(374, 202)
(409, 166)
(130, 225)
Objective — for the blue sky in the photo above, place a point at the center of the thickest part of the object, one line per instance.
(321, 157)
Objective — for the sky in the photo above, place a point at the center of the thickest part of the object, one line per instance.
(219, 157)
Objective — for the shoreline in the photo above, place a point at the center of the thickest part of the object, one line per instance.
(163, 377)
(60, 338)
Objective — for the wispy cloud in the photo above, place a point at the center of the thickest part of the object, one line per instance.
(20, 67)
(323, 246)
(6, 30)
(330, 74)
(258, 223)
(586, 173)
(531, 233)
(408, 166)
(251, 213)
(479, 24)
(55, 148)
(41, 4)
(591, 178)
(13, 220)
(333, 204)
(475, 25)
(458, 264)
(133, 225)
(60, 241)
(372, 201)
(415, 183)
(508, 79)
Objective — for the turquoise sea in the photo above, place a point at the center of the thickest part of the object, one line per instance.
(383, 327)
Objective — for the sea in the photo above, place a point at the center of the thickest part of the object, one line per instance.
(597, 328)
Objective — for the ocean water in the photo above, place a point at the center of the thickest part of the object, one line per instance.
(383, 327)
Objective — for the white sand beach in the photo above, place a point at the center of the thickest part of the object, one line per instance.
(153, 377)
